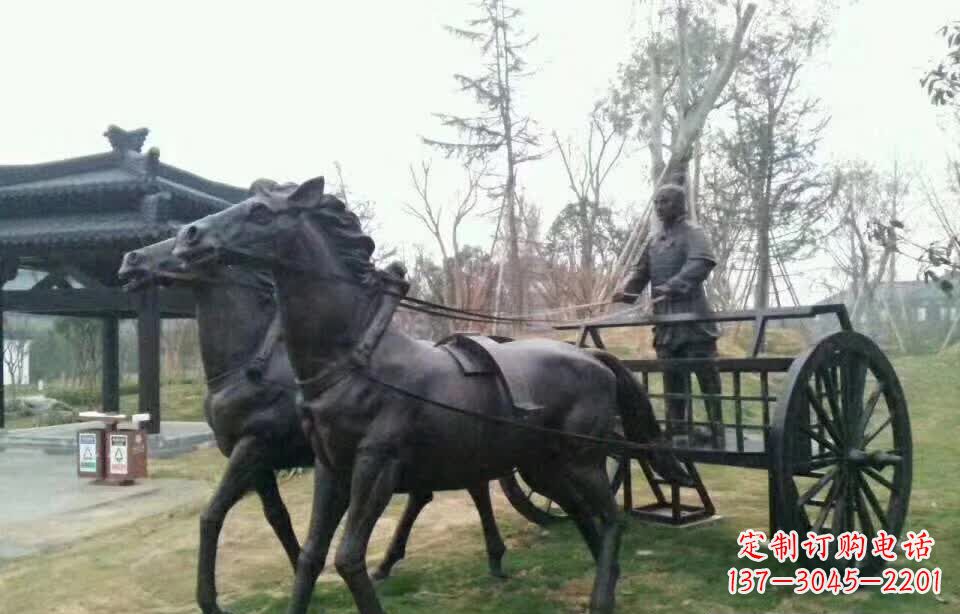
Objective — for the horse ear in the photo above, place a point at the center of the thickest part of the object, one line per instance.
(308, 193)
(263, 187)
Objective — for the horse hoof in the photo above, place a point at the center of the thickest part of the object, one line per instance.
(499, 574)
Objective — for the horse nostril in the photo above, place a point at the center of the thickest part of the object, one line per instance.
(133, 258)
(193, 234)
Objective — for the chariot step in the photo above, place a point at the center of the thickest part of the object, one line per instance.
(669, 507)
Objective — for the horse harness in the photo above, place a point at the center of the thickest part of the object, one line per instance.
(475, 354)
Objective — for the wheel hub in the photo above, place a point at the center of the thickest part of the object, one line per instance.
(877, 458)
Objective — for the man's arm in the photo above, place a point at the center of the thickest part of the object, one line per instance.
(638, 280)
(693, 273)
(700, 261)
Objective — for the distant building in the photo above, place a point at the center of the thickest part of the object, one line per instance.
(913, 316)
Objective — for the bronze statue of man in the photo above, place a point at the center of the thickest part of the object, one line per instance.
(675, 263)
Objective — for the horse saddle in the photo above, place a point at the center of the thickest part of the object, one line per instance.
(481, 355)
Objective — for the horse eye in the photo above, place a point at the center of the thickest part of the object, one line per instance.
(261, 214)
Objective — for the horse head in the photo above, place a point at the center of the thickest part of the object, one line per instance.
(283, 226)
(152, 264)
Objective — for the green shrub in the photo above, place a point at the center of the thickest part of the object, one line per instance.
(76, 397)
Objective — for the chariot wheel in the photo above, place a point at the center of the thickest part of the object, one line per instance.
(840, 444)
(542, 510)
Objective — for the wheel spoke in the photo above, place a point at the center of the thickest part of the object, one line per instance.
(816, 488)
(871, 405)
(820, 461)
(841, 510)
(872, 436)
(833, 398)
(873, 473)
(862, 511)
(853, 378)
(816, 436)
(827, 504)
(822, 414)
(874, 503)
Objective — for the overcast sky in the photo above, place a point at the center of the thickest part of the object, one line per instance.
(234, 91)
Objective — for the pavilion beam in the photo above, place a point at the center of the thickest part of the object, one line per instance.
(148, 346)
(110, 384)
(95, 302)
(61, 301)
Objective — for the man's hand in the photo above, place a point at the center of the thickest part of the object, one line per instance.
(661, 290)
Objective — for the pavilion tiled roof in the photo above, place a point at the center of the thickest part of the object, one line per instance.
(121, 196)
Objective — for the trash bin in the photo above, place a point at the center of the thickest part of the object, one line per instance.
(90, 454)
(126, 455)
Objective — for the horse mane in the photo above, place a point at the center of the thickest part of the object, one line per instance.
(351, 243)
(341, 225)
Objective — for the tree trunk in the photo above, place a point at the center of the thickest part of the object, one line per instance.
(515, 271)
(762, 300)
(688, 132)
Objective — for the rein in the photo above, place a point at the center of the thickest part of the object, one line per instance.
(419, 305)
(356, 361)
(619, 445)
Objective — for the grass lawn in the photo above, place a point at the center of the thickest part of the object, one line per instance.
(179, 401)
(149, 567)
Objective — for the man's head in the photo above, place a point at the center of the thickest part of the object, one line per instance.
(671, 203)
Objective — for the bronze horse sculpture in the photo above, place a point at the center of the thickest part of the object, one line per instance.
(251, 394)
(377, 402)
(251, 406)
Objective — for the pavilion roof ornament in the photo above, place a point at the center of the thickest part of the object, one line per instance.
(123, 141)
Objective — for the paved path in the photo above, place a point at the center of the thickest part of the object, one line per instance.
(43, 504)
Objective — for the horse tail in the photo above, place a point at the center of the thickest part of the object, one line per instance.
(636, 413)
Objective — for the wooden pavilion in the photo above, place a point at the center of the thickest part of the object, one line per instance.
(71, 221)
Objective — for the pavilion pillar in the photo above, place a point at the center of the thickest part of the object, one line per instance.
(3, 403)
(148, 349)
(110, 384)
(8, 271)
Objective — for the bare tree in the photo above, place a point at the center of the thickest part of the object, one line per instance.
(431, 214)
(180, 346)
(857, 241)
(499, 128)
(83, 337)
(775, 140)
(16, 349)
(727, 218)
(587, 169)
(365, 209)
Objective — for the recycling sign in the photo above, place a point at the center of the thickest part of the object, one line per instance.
(88, 452)
(118, 454)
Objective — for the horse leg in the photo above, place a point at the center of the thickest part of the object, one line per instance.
(329, 503)
(558, 488)
(398, 544)
(374, 478)
(277, 515)
(243, 465)
(491, 533)
(593, 484)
